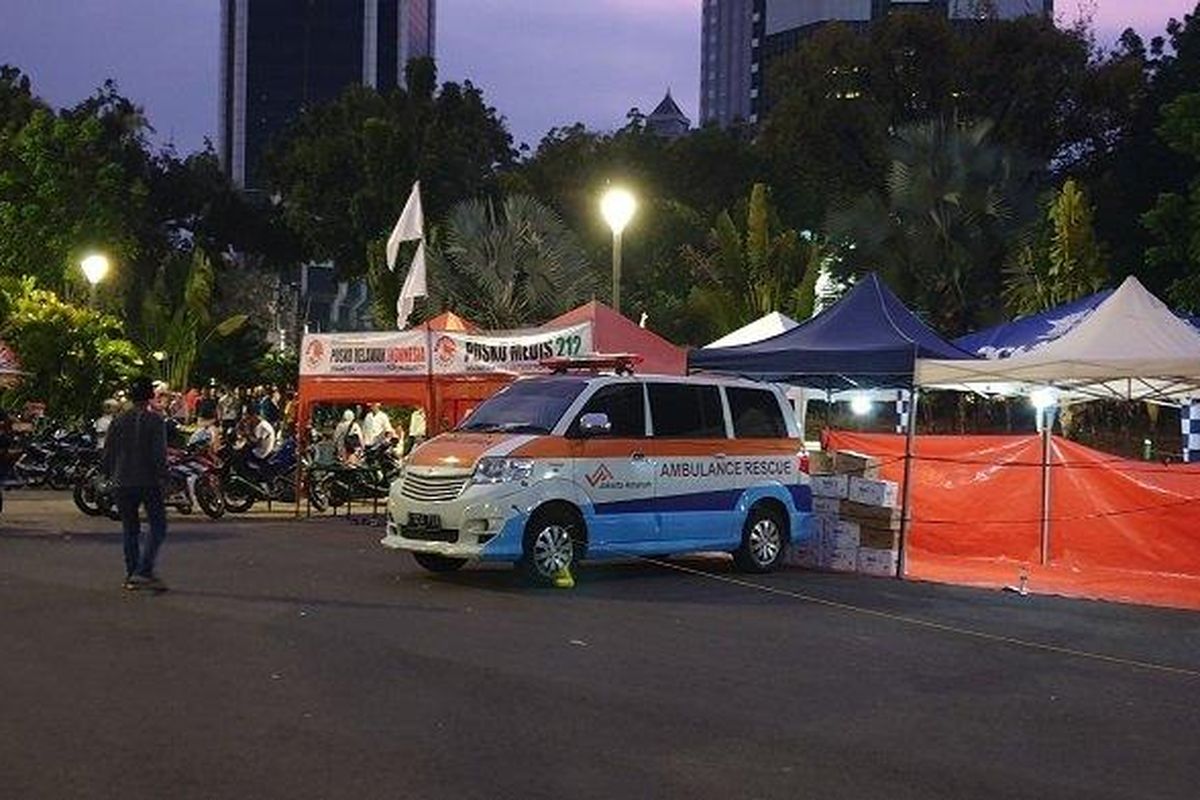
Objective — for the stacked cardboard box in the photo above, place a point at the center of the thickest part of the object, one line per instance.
(856, 516)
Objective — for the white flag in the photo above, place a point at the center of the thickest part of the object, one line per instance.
(414, 287)
(409, 227)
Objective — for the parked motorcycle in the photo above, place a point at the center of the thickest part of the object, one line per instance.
(247, 480)
(53, 458)
(193, 480)
(337, 484)
(93, 493)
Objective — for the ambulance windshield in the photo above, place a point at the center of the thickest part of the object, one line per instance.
(530, 406)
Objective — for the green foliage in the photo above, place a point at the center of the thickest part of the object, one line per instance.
(745, 274)
(345, 168)
(74, 356)
(1174, 222)
(276, 368)
(940, 233)
(61, 194)
(1063, 262)
(1127, 177)
(17, 102)
(86, 178)
(507, 266)
(238, 359)
(176, 319)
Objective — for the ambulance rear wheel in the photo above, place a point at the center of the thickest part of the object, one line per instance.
(764, 541)
(435, 563)
(553, 543)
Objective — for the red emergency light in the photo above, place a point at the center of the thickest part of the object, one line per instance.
(619, 363)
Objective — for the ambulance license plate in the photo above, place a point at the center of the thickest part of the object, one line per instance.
(424, 522)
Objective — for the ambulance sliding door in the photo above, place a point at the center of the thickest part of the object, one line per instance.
(697, 483)
(615, 471)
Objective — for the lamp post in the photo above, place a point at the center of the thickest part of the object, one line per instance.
(617, 205)
(95, 268)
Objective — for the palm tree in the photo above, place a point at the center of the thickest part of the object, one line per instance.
(176, 317)
(743, 276)
(942, 229)
(508, 266)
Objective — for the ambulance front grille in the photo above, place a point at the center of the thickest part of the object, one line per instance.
(433, 488)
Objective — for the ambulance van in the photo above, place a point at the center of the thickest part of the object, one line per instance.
(563, 467)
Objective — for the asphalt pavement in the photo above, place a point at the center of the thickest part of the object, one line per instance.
(298, 659)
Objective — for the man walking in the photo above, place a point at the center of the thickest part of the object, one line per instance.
(135, 459)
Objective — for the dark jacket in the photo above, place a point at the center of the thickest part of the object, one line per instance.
(135, 450)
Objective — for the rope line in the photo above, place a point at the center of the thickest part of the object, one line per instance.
(931, 625)
(1138, 467)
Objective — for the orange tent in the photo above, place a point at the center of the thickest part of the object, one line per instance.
(613, 333)
(404, 377)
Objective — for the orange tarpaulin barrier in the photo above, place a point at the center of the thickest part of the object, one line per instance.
(1119, 529)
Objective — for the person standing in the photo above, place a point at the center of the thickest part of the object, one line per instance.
(104, 421)
(377, 426)
(227, 410)
(206, 407)
(268, 407)
(416, 429)
(135, 459)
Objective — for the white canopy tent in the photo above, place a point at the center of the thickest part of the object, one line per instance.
(1132, 347)
(764, 327)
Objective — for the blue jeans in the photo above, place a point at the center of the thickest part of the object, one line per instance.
(138, 560)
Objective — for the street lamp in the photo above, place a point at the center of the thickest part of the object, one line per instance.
(95, 268)
(617, 205)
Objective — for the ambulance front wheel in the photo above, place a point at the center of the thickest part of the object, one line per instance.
(435, 563)
(554, 541)
(764, 540)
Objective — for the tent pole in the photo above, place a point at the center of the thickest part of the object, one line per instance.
(906, 502)
(1044, 545)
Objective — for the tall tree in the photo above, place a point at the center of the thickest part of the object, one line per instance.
(61, 194)
(1127, 178)
(343, 171)
(942, 229)
(1174, 222)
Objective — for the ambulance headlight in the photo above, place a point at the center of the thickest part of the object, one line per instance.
(501, 470)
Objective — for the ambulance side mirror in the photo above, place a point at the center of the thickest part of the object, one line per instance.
(594, 425)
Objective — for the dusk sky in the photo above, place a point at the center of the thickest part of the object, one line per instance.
(540, 62)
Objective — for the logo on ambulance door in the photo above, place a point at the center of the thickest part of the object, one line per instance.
(600, 475)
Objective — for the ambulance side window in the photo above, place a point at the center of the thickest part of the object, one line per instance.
(625, 407)
(756, 414)
(686, 411)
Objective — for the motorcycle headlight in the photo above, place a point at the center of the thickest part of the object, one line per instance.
(501, 470)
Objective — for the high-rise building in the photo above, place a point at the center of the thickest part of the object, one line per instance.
(730, 29)
(279, 56)
(740, 37)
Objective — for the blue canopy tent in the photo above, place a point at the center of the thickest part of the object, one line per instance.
(867, 340)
